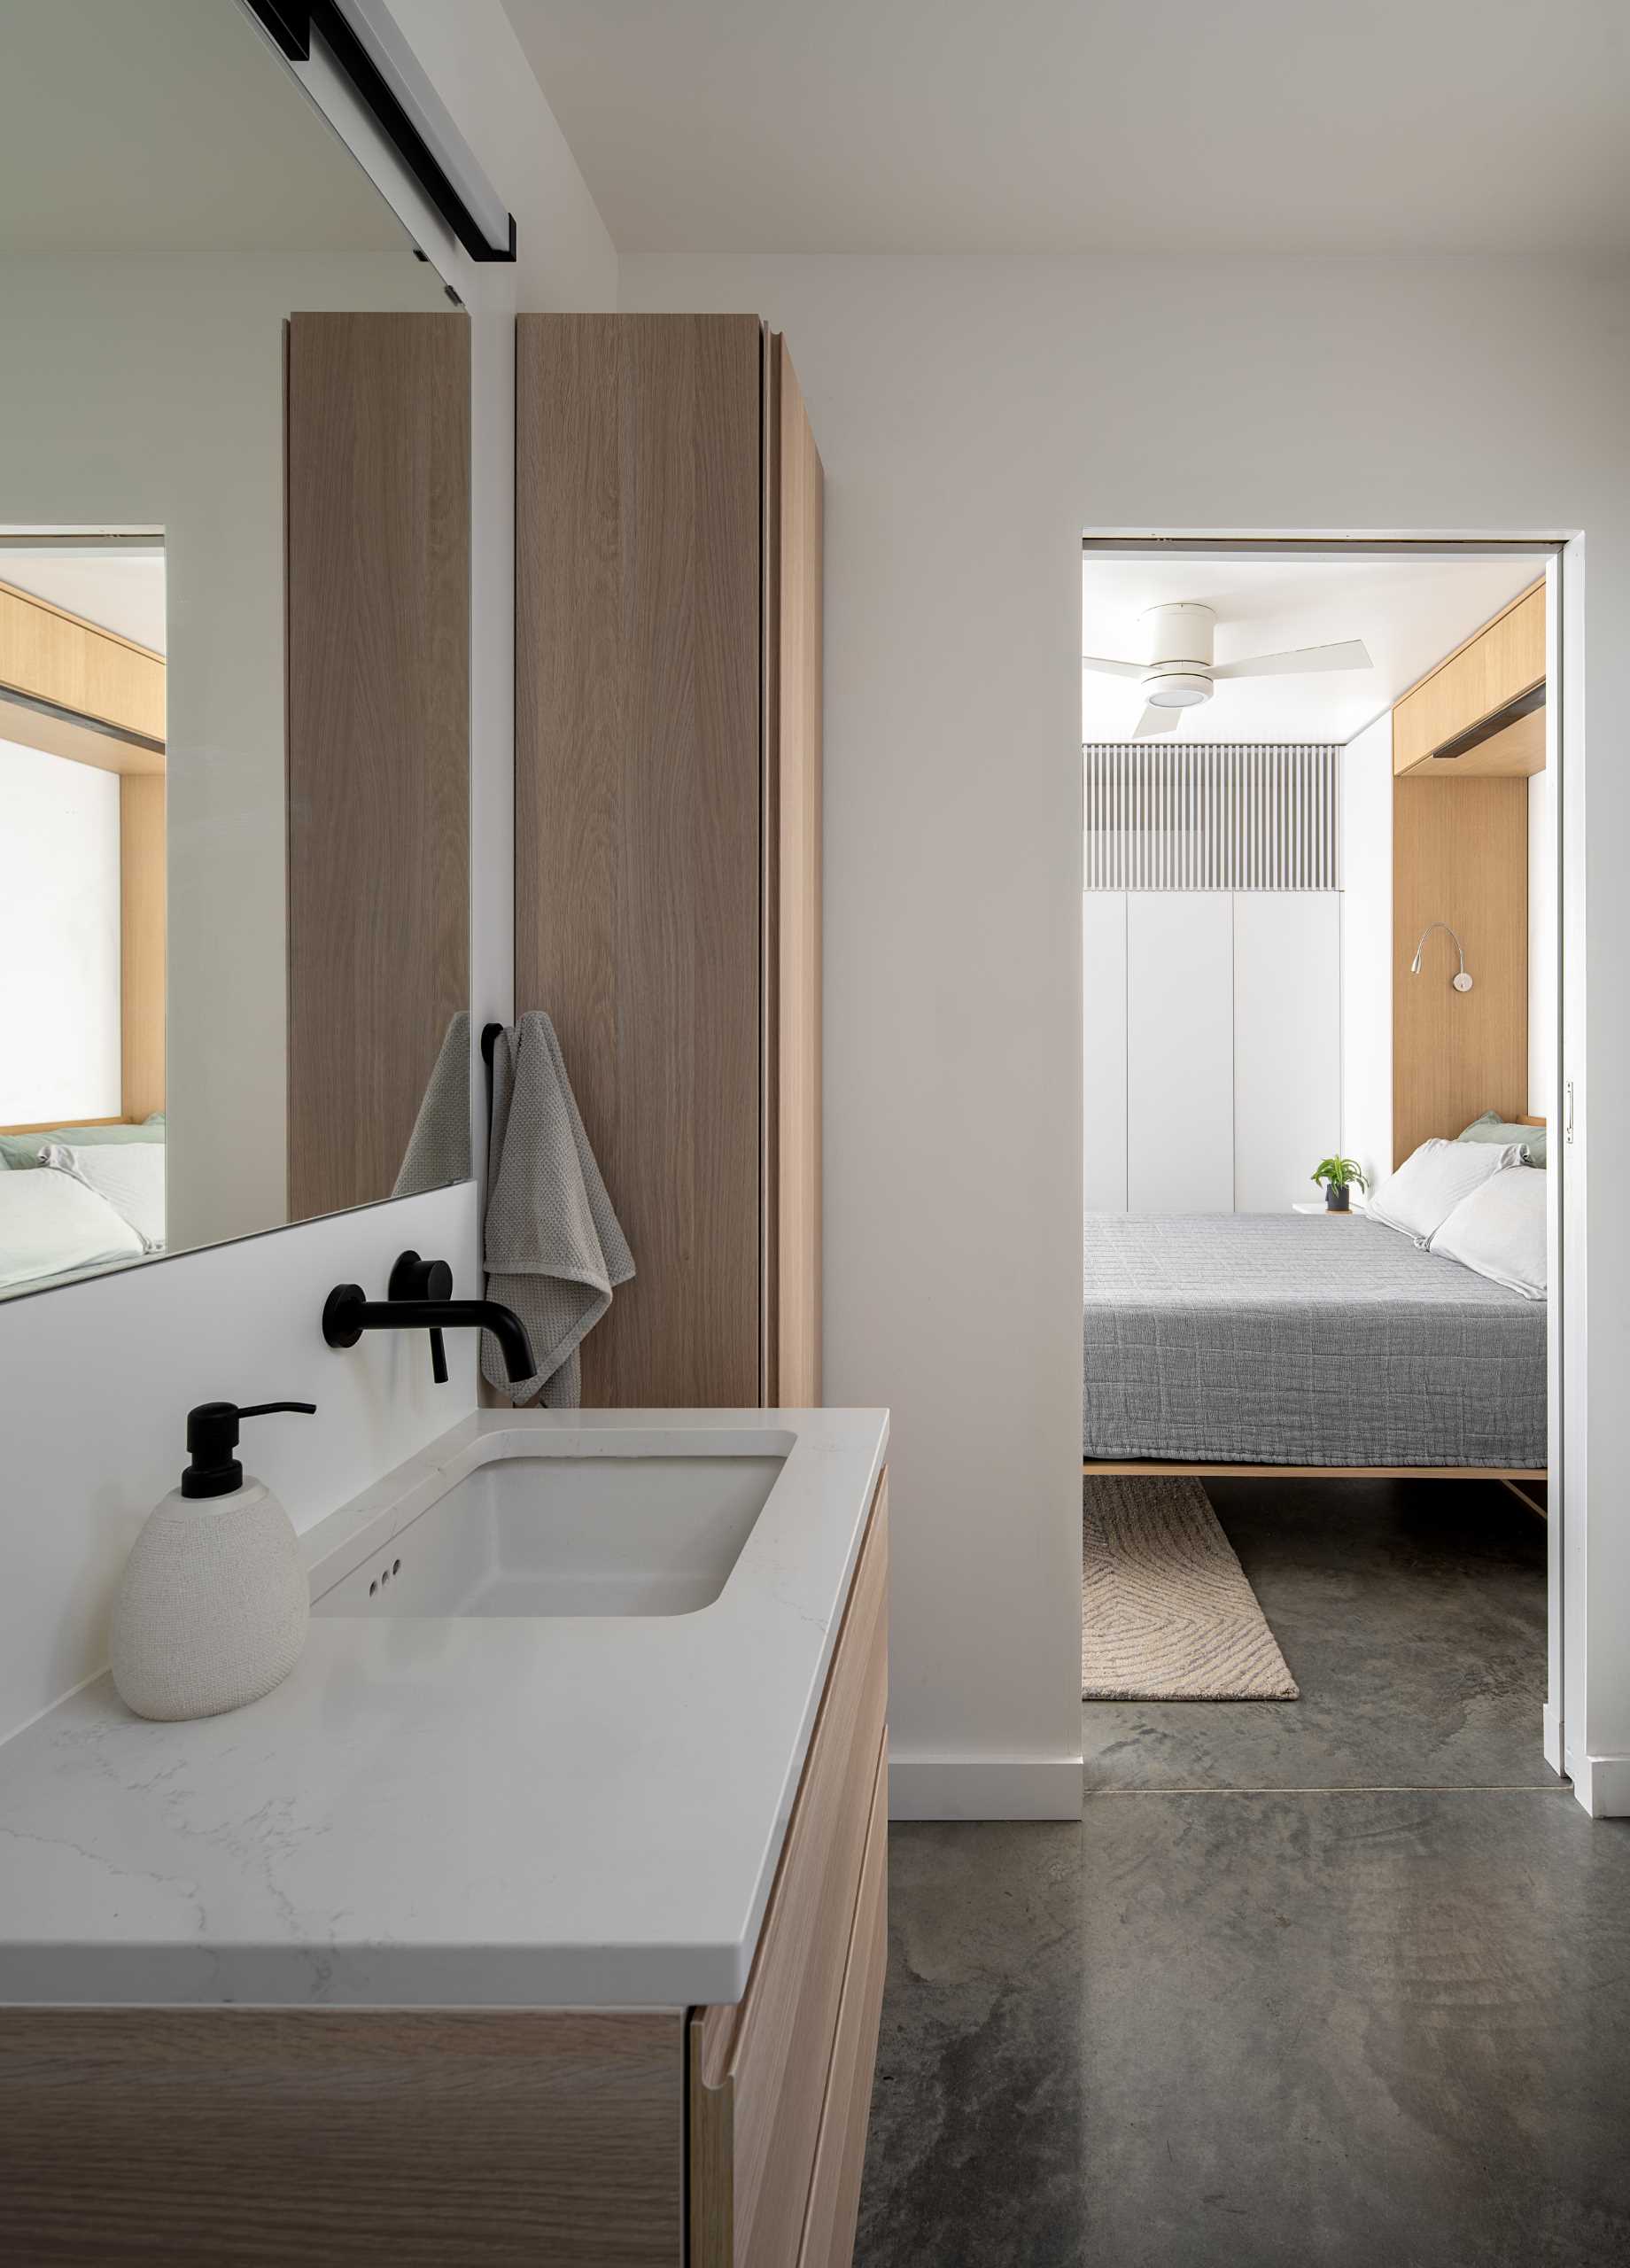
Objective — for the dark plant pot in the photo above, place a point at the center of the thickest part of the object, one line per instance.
(1336, 1197)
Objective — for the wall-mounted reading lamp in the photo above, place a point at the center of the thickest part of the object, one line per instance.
(1460, 980)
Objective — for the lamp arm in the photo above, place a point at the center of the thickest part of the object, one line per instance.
(1414, 966)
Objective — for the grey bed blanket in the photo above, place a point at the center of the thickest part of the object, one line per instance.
(1286, 1339)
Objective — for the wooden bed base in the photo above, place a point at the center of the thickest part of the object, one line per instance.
(1132, 1467)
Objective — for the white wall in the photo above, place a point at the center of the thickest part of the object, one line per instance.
(1541, 943)
(1367, 949)
(565, 258)
(99, 1377)
(975, 416)
(60, 1002)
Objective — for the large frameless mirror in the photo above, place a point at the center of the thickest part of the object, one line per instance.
(234, 654)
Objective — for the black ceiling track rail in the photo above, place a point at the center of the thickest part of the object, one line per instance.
(291, 22)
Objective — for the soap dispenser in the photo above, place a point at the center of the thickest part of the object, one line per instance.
(213, 1603)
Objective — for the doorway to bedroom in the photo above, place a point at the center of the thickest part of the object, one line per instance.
(1321, 972)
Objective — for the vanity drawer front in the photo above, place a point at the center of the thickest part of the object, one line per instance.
(759, 2071)
(840, 2154)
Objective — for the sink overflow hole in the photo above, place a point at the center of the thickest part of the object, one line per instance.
(383, 1576)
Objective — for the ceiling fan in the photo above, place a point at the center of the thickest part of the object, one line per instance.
(1180, 673)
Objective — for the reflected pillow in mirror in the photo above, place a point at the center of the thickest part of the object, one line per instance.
(130, 1176)
(1419, 1198)
(29, 1149)
(49, 1222)
(1499, 1231)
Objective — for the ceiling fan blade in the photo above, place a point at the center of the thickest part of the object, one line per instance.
(1352, 654)
(1156, 720)
(1114, 669)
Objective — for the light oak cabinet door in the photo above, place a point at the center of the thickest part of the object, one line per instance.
(840, 2154)
(668, 821)
(760, 2072)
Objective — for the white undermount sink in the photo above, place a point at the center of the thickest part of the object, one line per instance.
(564, 1534)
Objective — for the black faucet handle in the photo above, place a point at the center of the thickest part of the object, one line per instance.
(413, 1279)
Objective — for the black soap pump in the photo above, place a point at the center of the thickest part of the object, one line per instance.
(212, 1436)
(214, 1601)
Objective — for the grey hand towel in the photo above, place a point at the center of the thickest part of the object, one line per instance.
(438, 1149)
(554, 1248)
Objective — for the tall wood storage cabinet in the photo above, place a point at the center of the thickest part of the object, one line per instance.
(668, 746)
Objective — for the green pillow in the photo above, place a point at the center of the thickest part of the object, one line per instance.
(23, 1150)
(1492, 1128)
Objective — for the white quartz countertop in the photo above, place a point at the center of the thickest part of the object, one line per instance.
(454, 1811)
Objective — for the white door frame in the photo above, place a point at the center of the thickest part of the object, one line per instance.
(1600, 1784)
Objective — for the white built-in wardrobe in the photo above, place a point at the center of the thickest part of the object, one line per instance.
(1212, 1016)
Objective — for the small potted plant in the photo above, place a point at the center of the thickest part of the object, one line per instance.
(1338, 1175)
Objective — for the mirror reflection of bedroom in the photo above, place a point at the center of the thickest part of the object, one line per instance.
(1320, 982)
(82, 895)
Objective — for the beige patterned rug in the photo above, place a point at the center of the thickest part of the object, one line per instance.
(1165, 1612)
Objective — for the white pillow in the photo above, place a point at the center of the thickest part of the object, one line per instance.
(129, 1175)
(1500, 1230)
(1428, 1186)
(49, 1222)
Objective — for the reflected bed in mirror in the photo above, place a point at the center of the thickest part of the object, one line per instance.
(234, 655)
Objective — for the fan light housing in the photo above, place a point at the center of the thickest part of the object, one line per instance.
(1178, 690)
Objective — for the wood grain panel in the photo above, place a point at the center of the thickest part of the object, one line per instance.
(141, 931)
(792, 896)
(1460, 855)
(216, 2137)
(840, 2154)
(637, 812)
(1515, 752)
(378, 730)
(75, 739)
(1503, 659)
(758, 2070)
(52, 655)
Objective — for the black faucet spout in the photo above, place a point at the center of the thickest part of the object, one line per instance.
(348, 1312)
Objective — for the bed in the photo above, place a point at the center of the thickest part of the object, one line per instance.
(1295, 1340)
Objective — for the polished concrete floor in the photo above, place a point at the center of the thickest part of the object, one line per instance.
(1339, 1981)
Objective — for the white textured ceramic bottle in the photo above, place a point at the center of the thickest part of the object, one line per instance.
(213, 1604)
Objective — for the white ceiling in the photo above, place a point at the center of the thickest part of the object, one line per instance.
(1408, 612)
(122, 588)
(153, 127)
(1085, 124)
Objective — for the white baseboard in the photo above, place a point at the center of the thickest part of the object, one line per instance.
(1603, 1785)
(984, 1787)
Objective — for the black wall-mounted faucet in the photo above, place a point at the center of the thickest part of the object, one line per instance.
(420, 1298)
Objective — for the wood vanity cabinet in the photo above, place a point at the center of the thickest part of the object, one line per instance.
(668, 828)
(725, 2137)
